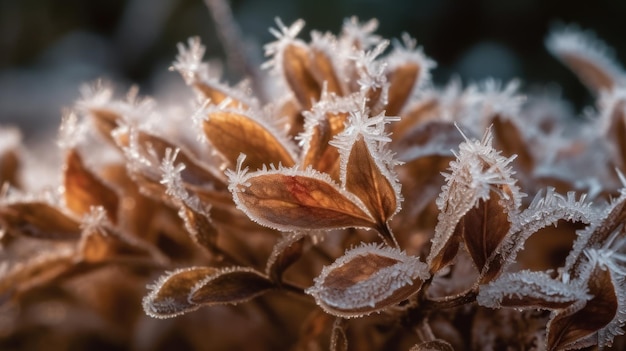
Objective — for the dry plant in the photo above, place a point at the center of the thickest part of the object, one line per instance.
(360, 207)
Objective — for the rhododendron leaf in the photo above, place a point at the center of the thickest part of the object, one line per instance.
(169, 296)
(286, 251)
(232, 133)
(531, 290)
(38, 220)
(571, 325)
(230, 286)
(296, 59)
(368, 279)
(289, 199)
(401, 81)
(434, 345)
(84, 190)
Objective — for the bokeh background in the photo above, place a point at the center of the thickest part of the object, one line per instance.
(48, 48)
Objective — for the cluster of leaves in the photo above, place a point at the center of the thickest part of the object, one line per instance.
(325, 209)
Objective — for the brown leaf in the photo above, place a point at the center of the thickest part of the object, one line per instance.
(217, 94)
(365, 179)
(401, 81)
(300, 201)
(418, 112)
(338, 337)
(35, 271)
(447, 254)
(617, 132)
(367, 279)
(434, 345)
(569, 326)
(39, 220)
(297, 69)
(323, 69)
(84, 190)
(230, 286)
(510, 140)
(593, 74)
(484, 228)
(286, 252)
(199, 226)
(233, 133)
(9, 168)
(170, 294)
(106, 120)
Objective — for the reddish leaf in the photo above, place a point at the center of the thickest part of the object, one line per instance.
(301, 200)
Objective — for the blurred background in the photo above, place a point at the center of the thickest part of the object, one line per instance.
(48, 48)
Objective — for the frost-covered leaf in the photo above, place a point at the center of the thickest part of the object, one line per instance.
(233, 132)
(34, 271)
(510, 140)
(296, 65)
(83, 189)
(286, 252)
(434, 345)
(480, 175)
(590, 58)
(38, 220)
(323, 66)
(572, 325)
(290, 199)
(169, 295)
(368, 279)
(338, 337)
(527, 289)
(408, 68)
(230, 286)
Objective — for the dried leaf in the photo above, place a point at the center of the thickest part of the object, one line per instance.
(483, 229)
(291, 199)
(296, 66)
(574, 324)
(84, 190)
(199, 225)
(38, 220)
(509, 139)
(286, 252)
(368, 279)
(9, 167)
(338, 337)
(106, 121)
(434, 345)
(230, 286)
(529, 290)
(401, 82)
(169, 296)
(232, 133)
(323, 69)
(365, 178)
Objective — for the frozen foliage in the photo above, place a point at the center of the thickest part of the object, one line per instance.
(350, 141)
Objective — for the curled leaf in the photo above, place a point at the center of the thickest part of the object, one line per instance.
(287, 251)
(230, 286)
(368, 279)
(338, 337)
(434, 345)
(169, 296)
(292, 199)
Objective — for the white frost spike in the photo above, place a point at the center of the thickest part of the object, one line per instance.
(368, 279)
(72, 131)
(10, 139)
(284, 36)
(354, 32)
(95, 221)
(189, 61)
(95, 95)
(523, 286)
(407, 51)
